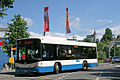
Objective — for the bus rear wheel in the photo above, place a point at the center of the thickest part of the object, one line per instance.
(85, 66)
(56, 68)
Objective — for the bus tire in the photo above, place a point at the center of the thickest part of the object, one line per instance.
(56, 68)
(85, 66)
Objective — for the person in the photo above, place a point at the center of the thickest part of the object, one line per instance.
(23, 55)
(64, 53)
(46, 53)
(30, 54)
(67, 54)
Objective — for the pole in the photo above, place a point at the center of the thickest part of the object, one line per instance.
(11, 56)
(109, 52)
(114, 50)
(44, 34)
(114, 45)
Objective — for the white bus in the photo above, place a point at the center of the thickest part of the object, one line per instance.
(53, 54)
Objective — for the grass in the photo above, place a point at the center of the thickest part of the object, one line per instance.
(100, 61)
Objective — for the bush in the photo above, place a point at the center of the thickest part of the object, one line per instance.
(100, 61)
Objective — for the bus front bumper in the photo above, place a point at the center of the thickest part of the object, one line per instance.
(26, 70)
(36, 69)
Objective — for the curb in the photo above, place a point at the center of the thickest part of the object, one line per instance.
(7, 70)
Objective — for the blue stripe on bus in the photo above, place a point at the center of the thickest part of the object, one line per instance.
(69, 67)
(51, 68)
(77, 66)
(64, 67)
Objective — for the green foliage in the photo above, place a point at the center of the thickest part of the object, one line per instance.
(100, 61)
(117, 52)
(4, 5)
(118, 36)
(101, 55)
(101, 51)
(17, 30)
(106, 50)
(108, 36)
(103, 46)
(87, 40)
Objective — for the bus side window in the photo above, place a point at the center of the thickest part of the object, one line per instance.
(46, 53)
(61, 53)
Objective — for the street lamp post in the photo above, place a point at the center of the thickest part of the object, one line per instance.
(109, 52)
(114, 48)
(114, 44)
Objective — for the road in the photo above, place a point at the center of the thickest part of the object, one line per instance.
(104, 71)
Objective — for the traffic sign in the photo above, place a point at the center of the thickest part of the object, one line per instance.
(11, 60)
(13, 48)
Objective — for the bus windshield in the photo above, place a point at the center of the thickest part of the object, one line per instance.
(28, 49)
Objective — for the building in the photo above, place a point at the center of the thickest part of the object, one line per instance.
(117, 41)
(3, 56)
(92, 37)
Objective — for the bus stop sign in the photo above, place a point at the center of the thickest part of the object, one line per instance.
(11, 60)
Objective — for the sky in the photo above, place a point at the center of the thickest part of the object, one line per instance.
(85, 16)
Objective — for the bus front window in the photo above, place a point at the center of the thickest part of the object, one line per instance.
(33, 54)
(22, 54)
(28, 49)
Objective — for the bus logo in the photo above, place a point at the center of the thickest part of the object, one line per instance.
(77, 60)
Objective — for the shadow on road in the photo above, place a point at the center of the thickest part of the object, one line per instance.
(112, 73)
(39, 74)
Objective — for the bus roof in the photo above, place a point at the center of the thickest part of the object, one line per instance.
(62, 41)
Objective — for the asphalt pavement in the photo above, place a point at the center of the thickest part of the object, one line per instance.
(104, 71)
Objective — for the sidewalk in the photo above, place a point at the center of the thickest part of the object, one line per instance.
(8, 70)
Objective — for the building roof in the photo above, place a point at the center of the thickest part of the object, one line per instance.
(118, 39)
(90, 36)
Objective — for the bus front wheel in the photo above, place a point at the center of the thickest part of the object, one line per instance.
(56, 68)
(85, 65)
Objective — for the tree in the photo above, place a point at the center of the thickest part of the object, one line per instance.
(108, 36)
(118, 36)
(106, 50)
(87, 40)
(101, 52)
(4, 5)
(17, 30)
(117, 51)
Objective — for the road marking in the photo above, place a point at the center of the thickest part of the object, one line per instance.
(44, 77)
(97, 78)
(117, 66)
(100, 74)
(63, 76)
(111, 65)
